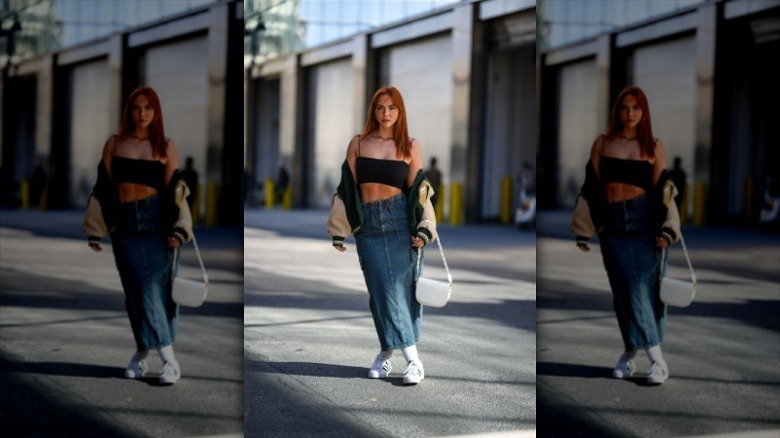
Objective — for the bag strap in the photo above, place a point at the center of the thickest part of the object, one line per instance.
(200, 260)
(688, 259)
(444, 259)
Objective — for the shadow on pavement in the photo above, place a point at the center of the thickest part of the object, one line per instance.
(27, 409)
(312, 369)
(559, 294)
(57, 293)
(287, 408)
(572, 370)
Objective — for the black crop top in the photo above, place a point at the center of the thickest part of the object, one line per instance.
(634, 172)
(390, 172)
(147, 172)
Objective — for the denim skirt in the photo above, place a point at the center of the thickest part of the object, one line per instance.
(146, 267)
(388, 260)
(634, 266)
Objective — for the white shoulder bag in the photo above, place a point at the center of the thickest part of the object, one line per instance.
(430, 292)
(679, 293)
(191, 293)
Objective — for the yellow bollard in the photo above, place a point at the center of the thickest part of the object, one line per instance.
(212, 203)
(25, 192)
(439, 207)
(270, 194)
(700, 203)
(506, 200)
(456, 204)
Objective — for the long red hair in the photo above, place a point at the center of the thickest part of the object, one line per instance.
(644, 130)
(156, 130)
(400, 129)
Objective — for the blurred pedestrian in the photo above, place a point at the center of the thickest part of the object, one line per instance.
(139, 198)
(38, 184)
(627, 198)
(190, 177)
(282, 181)
(677, 175)
(383, 191)
(434, 176)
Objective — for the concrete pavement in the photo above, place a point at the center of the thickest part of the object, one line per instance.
(309, 338)
(65, 338)
(723, 350)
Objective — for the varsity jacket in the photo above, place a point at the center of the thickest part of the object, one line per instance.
(589, 210)
(103, 204)
(346, 208)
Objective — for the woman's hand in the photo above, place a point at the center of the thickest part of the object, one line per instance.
(661, 242)
(583, 246)
(340, 248)
(94, 246)
(417, 242)
(173, 242)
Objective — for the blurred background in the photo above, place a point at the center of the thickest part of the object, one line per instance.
(69, 65)
(466, 70)
(708, 71)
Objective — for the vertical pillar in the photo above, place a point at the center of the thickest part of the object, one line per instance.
(705, 88)
(603, 80)
(462, 48)
(295, 158)
(115, 69)
(360, 80)
(217, 64)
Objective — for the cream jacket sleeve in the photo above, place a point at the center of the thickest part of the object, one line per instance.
(184, 219)
(93, 225)
(338, 224)
(428, 219)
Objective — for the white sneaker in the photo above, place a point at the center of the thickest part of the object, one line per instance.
(170, 373)
(414, 373)
(136, 368)
(381, 367)
(658, 373)
(625, 368)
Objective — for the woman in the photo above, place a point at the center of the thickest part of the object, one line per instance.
(141, 200)
(628, 199)
(384, 200)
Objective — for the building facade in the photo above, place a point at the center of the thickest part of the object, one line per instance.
(59, 107)
(706, 71)
(467, 74)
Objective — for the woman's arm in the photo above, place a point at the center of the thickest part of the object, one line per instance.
(414, 167)
(109, 150)
(596, 151)
(415, 164)
(172, 164)
(660, 161)
(659, 167)
(337, 218)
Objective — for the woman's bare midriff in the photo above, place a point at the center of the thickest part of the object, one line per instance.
(617, 192)
(129, 192)
(370, 192)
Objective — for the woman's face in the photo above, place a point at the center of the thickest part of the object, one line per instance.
(142, 112)
(630, 112)
(386, 112)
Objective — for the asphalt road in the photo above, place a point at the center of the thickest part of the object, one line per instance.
(723, 350)
(65, 339)
(309, 338)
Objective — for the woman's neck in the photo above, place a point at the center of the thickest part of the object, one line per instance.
(629, 133)
(141, 133)
(383, 132)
